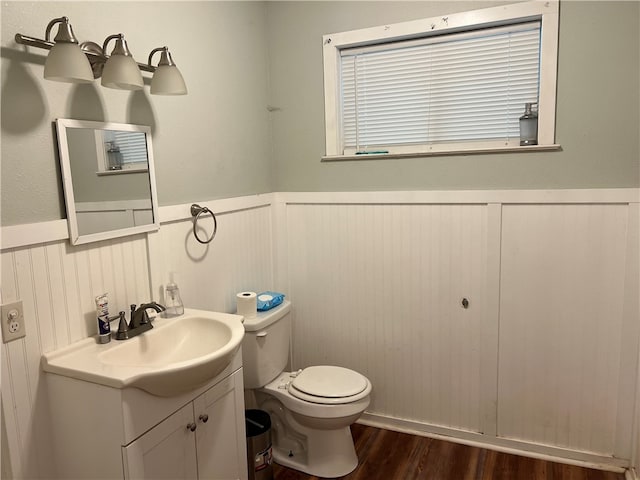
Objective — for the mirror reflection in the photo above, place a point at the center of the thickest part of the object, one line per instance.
(108, 179)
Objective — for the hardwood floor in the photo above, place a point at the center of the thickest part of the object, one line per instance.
(388, 455)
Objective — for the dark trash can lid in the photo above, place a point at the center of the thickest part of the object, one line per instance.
(257, 422)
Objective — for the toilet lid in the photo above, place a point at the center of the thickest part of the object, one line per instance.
(329, 382)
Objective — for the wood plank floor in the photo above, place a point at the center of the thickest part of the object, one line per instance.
(388, 455)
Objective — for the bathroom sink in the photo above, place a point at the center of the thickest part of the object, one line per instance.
(178, 355)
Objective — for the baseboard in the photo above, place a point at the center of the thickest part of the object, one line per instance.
(512, 446)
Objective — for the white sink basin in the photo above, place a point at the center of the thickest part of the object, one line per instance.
(178, 355)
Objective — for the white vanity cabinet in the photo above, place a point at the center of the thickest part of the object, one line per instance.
(104, 432)
(199, 441)
(168, 450)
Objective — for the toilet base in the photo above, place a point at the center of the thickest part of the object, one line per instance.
(329, 454)
(297, 444)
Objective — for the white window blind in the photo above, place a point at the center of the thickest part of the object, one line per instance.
(460, 87)
(133, 147)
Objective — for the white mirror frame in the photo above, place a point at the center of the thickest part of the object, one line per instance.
(65, 162)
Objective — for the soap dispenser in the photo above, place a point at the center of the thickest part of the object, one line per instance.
(529, 125)
(172, 300)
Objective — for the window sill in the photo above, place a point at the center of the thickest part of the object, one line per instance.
(476, 151)
(122, 171)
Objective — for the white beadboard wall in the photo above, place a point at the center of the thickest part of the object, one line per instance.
(562, 327)
(238, 259)
(57, 284)
(544, 360)
(378, 288)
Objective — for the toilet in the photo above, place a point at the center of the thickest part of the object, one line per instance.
(311, 409)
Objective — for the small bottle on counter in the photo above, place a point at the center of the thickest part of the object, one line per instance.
(172, 299)
(102, 314)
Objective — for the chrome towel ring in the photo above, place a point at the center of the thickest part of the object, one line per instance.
(196, 211)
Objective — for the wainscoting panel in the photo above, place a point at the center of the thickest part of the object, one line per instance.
(238, 259)
(544, 360)
(379, 288)
(57, 284)
(562, 331)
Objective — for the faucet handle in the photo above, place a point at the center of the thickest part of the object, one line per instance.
(132, 315)
(123, 328)
(144, 317)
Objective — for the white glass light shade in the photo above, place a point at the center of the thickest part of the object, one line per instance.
(167, 80)
(121, 72)
(67, 63)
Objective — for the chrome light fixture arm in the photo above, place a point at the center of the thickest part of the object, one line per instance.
(121, 47)
(33, 42)
(65, 32)
(165, 57)
(92, 50)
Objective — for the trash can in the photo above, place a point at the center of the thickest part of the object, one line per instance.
(259, 454)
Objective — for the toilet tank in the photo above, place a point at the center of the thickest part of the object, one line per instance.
(265, 346)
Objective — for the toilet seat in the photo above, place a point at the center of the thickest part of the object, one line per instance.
(329, 385)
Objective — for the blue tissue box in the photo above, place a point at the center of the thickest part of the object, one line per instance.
(268, 300)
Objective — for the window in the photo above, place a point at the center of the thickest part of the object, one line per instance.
(460, 87)
(121, 151)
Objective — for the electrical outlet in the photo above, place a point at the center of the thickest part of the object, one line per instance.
(12, 321)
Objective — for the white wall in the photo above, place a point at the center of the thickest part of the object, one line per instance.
(238, 259)
(564, 333)
(57, 284)
(379, 287)
(544, 360)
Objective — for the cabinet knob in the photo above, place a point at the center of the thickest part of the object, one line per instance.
(204, 417)
(192, 426)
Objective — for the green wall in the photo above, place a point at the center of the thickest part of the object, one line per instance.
(597, 108)
(212, 143)
(239, 58)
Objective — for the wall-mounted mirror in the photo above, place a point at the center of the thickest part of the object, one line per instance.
(108, 177)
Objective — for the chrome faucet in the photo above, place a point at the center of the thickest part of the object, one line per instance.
(139, 322)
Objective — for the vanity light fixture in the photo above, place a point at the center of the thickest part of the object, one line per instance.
(66, 62)
(167, 79)
(121, 70)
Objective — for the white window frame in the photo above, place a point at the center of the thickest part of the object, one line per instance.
(547, 12)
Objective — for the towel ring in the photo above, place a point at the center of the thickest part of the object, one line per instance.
(196, 211)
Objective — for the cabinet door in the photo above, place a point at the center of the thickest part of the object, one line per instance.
(220, 438)
(167, 451)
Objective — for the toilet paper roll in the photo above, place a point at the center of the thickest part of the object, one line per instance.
(247, 304)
